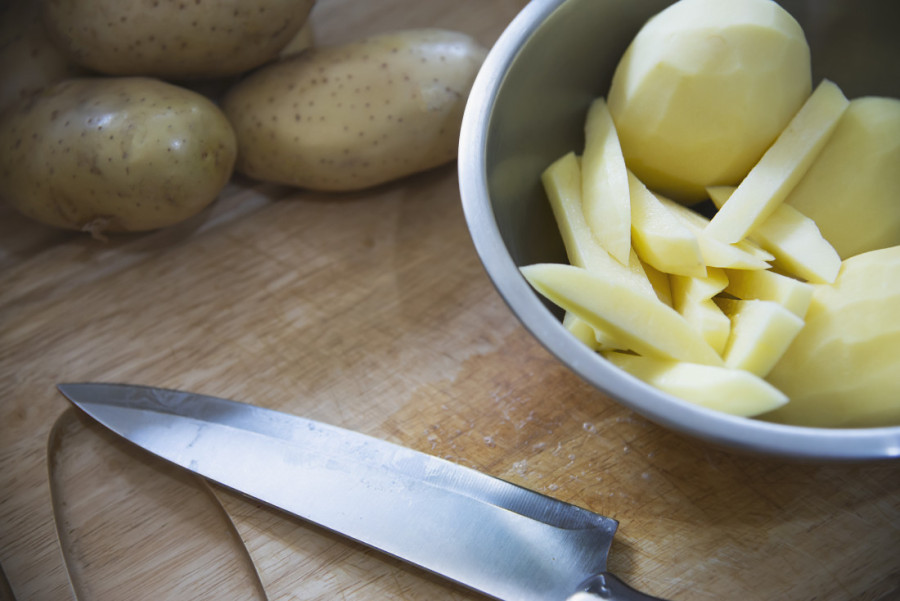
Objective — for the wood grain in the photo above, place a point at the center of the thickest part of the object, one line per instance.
(372, 311)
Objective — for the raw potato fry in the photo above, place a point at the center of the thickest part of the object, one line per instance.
(660, 282)
(562, 183)
(741, 255)
(591, 337)
(638, 322)
(782, 166)
(709, 320)
(761, 332)
(794, 240)
(659, 237)
(692, 297)
(723, 389)
(605, 183)
(686, 289)
(793, 294)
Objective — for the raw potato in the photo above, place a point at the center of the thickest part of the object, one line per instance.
(354, 116)
(692, 297)
(562, 182)
(797, 245)
(605, 183)
(28, 60)
(178, 40)
(852, 190)
(703, 90)
(841, 370)
(742, 255)
(744, 318)
(636, 320)
(782, 166)
(733, 391)
(659, 237)
(114, 154)
(792, 294)
(761, 332)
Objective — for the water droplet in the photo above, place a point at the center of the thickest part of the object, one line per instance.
(589, 427)
(552, 487)
(489, 441)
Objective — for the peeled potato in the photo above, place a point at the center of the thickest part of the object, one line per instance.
(841, 369)
(725, 389)
(114, 154)
(852, 190)
(704, 88)
(353, 116)
(636, 320)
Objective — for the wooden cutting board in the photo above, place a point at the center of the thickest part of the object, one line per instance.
(371, 311)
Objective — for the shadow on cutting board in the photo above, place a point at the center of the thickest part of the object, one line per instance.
(132, 527)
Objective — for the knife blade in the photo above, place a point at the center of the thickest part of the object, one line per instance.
(487, 534)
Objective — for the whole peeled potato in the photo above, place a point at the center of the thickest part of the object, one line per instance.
(704, 89)
(28, 59)
(353, 116)
(114, 154)
(173, 40)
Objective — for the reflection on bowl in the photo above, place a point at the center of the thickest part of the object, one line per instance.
(527, 108)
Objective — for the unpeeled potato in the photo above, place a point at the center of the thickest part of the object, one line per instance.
(353, 116)
(28, 59)
(173, 40)
(114, 154)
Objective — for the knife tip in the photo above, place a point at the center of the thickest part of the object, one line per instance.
(71, 390)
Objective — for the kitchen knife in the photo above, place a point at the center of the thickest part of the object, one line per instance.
(490, 535)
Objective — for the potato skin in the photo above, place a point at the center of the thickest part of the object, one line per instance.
(354, 116)
(173, 40)
(114, 154)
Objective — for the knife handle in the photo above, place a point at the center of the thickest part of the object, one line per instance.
(609, 588)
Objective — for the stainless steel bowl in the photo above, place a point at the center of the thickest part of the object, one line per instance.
(527, 108)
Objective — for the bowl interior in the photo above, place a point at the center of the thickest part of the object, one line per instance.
(527, 109)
